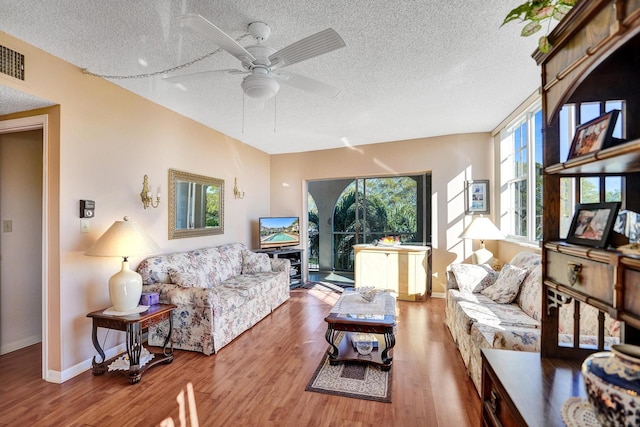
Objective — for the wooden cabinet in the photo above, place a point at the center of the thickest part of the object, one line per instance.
(523, 389)
(404, 269)
(595, 57)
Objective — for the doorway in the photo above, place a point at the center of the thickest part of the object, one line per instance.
(23, 231)
(345, 212)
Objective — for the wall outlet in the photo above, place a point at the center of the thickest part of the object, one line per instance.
(7, 226)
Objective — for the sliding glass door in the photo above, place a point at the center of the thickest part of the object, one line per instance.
(371, 208)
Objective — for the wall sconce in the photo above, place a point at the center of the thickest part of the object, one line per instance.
(237, 193)
(145, 195)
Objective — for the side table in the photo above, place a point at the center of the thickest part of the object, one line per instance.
(134, 325)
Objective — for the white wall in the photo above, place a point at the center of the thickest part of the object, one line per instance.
(20, 249)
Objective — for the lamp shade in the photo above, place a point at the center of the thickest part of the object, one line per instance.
(124, 239)
(481, 228)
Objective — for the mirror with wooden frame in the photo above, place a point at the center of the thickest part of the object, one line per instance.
(196, 205)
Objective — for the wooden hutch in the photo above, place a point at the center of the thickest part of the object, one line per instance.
(595, 57)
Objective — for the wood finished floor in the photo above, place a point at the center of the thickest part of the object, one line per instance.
(257, 380)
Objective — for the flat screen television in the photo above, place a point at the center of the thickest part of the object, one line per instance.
(278, 232)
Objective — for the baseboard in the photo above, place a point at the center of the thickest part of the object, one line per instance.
(17, 345)
(438, 295)
(58, 377)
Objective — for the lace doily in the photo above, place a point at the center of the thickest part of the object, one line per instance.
(353, 303)
(578, 412)
(139, 309)
(122, 362)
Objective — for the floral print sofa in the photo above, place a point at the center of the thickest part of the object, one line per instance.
(510, 317)
(220, 292)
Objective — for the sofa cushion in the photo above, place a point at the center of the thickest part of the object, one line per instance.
(155, 269)
(476, 308)
(211, 262)
(253, 262)
(233, 252)
(530, 297)
(473, 277)
(187, 279)
(506, 287)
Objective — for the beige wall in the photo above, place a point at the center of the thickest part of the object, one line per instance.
(108, 139)
(451, 160)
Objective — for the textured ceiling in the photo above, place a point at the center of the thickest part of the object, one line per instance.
(410, 69)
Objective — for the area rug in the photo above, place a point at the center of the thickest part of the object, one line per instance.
(348, 379)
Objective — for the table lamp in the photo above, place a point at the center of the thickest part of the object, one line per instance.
(481, 228)
(124, 239)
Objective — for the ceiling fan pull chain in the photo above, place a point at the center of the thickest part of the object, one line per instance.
(161, 72)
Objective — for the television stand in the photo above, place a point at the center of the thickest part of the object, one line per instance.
(294, 255)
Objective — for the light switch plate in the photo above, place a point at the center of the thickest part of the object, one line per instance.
(84, 226)
(7, 226)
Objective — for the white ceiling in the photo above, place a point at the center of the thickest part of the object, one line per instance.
(410, 69)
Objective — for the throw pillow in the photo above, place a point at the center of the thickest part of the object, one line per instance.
(253, 262)
(186, 280)
(506, 287)
(474, 277)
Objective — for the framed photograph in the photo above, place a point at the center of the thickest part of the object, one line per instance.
(594, 135)
(592, 224)
(477, 197)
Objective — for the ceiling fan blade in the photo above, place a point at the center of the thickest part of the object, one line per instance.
(308, 84)
(183, 78)
(199, 24)
(307, 48)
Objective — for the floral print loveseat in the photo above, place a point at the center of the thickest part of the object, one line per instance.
(510, 317)
(220, 292)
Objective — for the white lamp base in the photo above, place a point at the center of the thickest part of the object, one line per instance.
(125, 288)
(482, 256)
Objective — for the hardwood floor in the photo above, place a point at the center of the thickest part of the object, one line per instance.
(257, 380)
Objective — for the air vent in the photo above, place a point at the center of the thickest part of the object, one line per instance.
(11, 63)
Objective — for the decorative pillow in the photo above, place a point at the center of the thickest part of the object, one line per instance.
(506, 287)
(253, 262)
(474, 277)
(187, 280)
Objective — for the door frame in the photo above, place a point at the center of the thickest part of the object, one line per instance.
(23, 125)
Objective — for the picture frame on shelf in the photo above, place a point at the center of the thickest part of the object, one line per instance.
(477, 197)
(592, 224)
(594, 135)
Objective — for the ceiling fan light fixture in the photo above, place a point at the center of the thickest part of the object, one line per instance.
(260, 86)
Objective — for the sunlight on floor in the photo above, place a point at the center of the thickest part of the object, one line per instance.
(325, 292)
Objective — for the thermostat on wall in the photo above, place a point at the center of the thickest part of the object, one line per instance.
(87, 208)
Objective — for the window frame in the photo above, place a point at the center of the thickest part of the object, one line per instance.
(507, 205)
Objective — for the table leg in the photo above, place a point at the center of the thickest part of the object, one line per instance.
(167, 339)
(333, 351)
(98, 368)
(390, 342)
(134, 348)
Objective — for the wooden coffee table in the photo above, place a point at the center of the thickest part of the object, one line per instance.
(350, 315)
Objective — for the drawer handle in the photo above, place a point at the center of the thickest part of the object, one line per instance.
(573, 273)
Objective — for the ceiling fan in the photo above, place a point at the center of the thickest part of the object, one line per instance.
(261, 63)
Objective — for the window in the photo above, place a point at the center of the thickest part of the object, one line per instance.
(520, 176)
